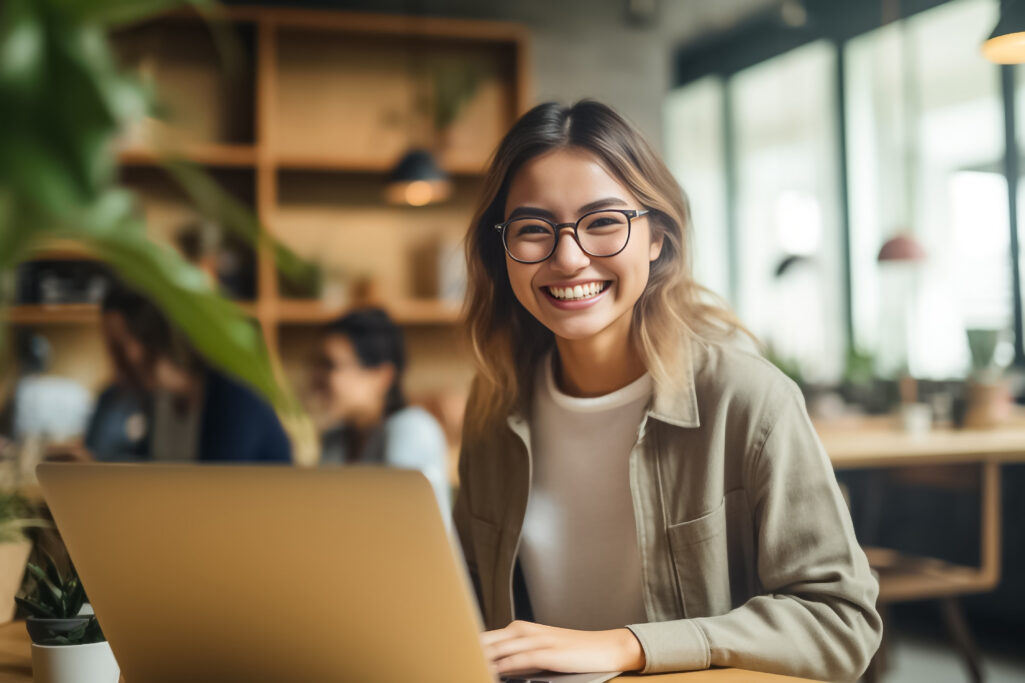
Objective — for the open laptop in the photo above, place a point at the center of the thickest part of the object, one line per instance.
(257, 573)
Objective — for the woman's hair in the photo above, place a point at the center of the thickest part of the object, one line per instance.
(152, 329)
(506, 339)
(376, 340)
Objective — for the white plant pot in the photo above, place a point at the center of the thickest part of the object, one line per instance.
(91, 663)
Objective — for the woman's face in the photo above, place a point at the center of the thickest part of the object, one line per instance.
(562, 185)
(348, 390)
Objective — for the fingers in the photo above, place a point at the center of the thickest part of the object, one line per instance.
(511, 646)
(515, 629)
(522, 662)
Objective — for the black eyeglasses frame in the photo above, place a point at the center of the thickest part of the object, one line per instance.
(559, 227)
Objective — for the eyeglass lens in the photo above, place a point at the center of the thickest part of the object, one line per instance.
(600, 234)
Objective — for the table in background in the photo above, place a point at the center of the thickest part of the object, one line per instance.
(16, 665)
(876, 443)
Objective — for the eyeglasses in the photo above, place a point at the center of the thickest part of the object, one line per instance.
(532, 239)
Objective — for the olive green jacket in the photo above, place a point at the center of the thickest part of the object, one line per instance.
(747, 549)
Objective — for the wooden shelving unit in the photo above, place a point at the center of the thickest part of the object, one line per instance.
(322, 106)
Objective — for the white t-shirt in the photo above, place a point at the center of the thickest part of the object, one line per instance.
(579, 547)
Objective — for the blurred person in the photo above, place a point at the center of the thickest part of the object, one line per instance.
(119, 428)
(198, 413)
(654, 494)
(358, 381)
(45, 405)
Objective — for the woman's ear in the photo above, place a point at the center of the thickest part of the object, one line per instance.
(386, 375)
(655, 250)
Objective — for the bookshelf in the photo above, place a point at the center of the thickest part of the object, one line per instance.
(319, 107)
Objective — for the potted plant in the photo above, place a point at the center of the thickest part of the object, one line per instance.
(16, 514)
(68, 645)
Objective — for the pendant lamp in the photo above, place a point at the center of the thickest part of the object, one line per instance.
(417, 180)
(1006, 45)
(902, 247)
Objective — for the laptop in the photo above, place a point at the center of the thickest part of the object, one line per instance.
(261, 573)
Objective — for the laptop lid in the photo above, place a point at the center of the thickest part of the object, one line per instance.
(263, 573)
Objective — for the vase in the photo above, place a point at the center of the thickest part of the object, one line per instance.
(89, 663)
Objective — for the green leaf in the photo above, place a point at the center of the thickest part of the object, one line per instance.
(22, 48)
(213, 202)
(37, 609)
(44, 580)
(217, 328)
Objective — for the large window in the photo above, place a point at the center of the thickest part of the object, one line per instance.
(788, 218)
(925, 144)
(694, 139)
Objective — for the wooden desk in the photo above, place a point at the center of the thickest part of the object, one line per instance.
(16, 665)
(877, 443)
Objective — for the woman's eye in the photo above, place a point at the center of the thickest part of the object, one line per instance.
(532, 229)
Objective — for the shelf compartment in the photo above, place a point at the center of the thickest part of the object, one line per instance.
(202, 101)
(330, 84)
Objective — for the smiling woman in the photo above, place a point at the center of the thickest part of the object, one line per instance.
(637, 492)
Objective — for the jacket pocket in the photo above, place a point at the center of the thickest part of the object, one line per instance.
(700, 558)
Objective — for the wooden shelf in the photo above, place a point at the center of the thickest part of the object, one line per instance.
(70, 314)
(404, 312)
(53, 314)
(206, 154)
(341, 164)
(60, 250)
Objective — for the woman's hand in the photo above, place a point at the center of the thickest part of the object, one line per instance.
(523, 646)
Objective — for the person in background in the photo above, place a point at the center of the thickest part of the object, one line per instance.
(45, 405)
(358, 380)
(198, 413)
(119, 428)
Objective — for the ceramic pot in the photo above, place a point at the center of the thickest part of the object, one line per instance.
(91, 663)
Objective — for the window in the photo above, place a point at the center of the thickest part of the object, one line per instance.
(790, 257)
(925, 141)
(693, 118)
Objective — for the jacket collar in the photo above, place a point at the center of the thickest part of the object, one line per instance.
(675, 403)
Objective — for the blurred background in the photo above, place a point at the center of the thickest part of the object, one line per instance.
(853, 173)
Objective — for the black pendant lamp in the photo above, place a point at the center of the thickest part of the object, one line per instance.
(1006, 45)
(417, 180)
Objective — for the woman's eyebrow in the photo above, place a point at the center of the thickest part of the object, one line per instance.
(543, 213)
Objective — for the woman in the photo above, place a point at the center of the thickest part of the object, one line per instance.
(359, 382)
(637, 493)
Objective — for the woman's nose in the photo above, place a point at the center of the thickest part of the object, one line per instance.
(568, 256)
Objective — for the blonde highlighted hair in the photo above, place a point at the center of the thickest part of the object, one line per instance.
(507, 341)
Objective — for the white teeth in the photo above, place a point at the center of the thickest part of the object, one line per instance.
(577, 292)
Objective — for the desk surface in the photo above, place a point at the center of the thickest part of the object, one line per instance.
(16, 665)
(878, 442)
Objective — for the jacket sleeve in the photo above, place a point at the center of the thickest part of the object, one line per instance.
(816, 616)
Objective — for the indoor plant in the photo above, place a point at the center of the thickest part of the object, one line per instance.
(67, 642)
(63, 103)
(16, 514)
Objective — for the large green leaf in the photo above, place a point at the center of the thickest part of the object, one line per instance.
(213, 202)
(217, 328)
(62, 101)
